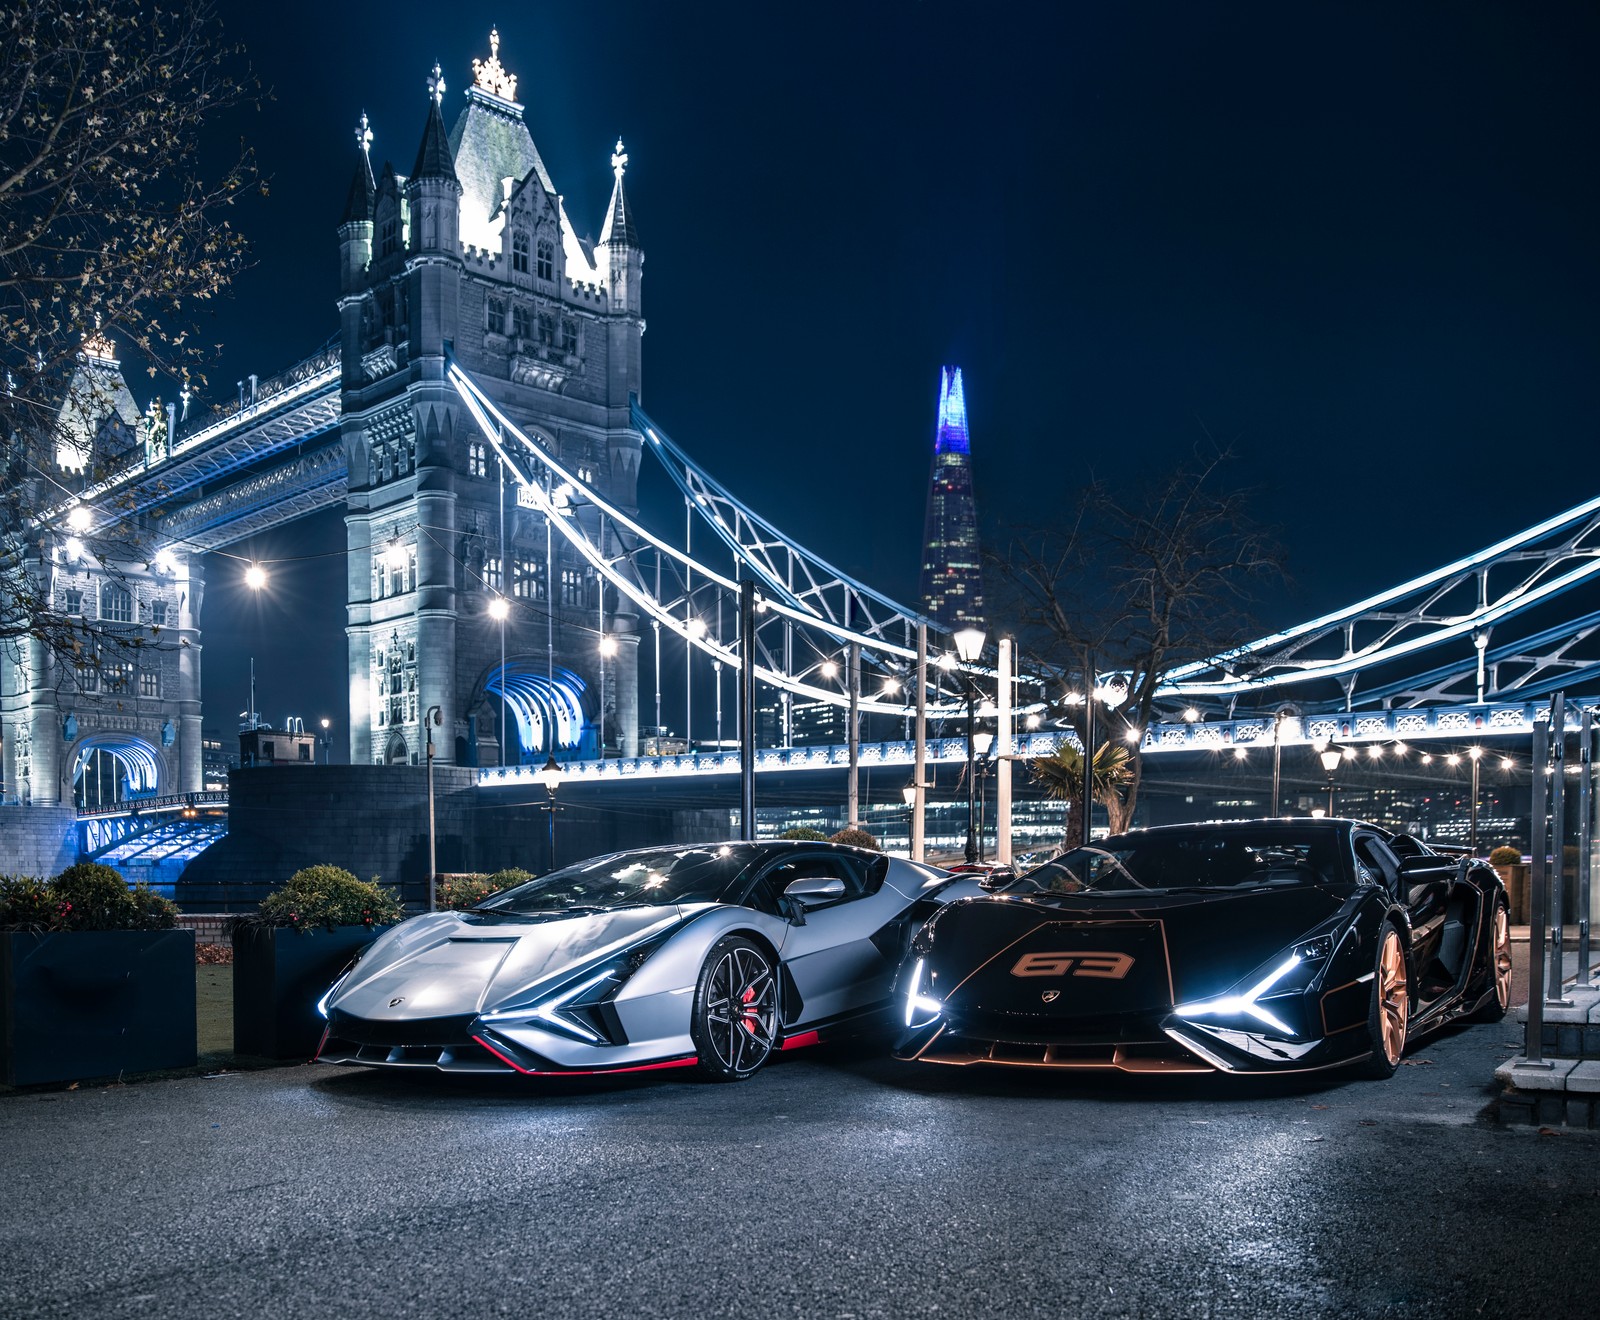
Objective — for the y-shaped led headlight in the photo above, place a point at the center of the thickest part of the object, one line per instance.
(1234, 1005)
(921, 1008)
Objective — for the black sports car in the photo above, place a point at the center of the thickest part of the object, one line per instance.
(1250, 946)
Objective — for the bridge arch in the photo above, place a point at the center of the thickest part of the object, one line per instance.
(539, 711)
(115, 767)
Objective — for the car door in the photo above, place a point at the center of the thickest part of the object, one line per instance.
(1424, 894)
(836, 966)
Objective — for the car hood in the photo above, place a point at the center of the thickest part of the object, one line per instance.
(1168, 948)
(450, 964)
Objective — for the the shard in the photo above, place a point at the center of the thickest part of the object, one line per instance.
(952, 581)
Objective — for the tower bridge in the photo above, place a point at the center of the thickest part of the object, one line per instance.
(478, 418)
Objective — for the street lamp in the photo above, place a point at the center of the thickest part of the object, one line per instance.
(1330, 756)
(327, 742)
(255, 577)
(433, 717)
(982, 744)
(969, 646)
(550, 777)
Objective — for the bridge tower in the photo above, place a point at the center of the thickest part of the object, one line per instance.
(471, 253)
(100, 687)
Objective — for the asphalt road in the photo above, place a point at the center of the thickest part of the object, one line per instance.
(834, 1183)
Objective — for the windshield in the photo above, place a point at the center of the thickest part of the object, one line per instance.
(650, 877)
(1197, 859)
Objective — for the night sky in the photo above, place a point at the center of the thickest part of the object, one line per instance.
(1357, 242)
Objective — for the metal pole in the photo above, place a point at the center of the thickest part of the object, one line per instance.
(972, 773)
(500, 591)
(600, 645)
(1088, 751)
(853, 736)
(1277, 764)
(747, 709)
(1533, 1040)
(1558, 839)
(429, 720)
(688, 641)
(1585, 840)
(549, 598)
(919, 804)
(1472, 819)
(656, 625)
(1002, 758)
(550, 806)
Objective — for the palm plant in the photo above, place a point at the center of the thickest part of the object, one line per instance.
(1060, 775)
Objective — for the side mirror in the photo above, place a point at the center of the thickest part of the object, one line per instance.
(997, 879)
(810, 890)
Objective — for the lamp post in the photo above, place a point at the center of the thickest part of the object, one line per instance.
(327, 742)
(908, 795)
(433, 717)
(608, 649)
(1330, 756)
(499, 609)
(969, 646)
(550, 777)
(982, 744)
(1476, 753)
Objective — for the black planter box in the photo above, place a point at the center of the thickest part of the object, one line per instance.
(80, 1004)
(278, 976)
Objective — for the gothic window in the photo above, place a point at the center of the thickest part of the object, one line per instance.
(586, 474)
(547, 329)
(529, 583)
(478, 459)
(402, 571)
(519, 252)
(496, 316)
(491, 573)
(522, 322)
(397, 703)
(116, 603)
(150, 683)
(547, 259)
(389, 236)
(572, 586)
(117, 676)
(89, 677)
(569, 336)
(72, 601)
(158, 613)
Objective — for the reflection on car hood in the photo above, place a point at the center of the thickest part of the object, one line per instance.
(448, 964)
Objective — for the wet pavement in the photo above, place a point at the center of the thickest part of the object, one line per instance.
(836, 1182)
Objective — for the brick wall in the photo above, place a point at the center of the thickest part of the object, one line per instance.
(37, 840)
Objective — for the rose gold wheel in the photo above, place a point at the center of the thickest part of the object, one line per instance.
(1496, 1006)
(1390, 1013)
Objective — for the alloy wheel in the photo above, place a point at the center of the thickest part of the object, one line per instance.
(1394, 1001)
(741, 1009)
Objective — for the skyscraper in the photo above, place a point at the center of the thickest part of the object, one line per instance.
(952, 581)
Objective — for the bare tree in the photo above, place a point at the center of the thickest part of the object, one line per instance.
(109, 236)
(1130, 589)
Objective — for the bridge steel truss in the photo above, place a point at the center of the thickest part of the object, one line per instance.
(810, 615)
(1480, 610)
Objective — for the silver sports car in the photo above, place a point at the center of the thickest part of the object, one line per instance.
(709, 954)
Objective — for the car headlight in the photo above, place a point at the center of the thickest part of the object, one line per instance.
(922, 1006)
(1245, 1005)
(576, 1006)
(327, 995)
(1314, 950)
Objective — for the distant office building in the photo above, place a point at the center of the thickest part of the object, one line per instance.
(952, 581)
(817, 724)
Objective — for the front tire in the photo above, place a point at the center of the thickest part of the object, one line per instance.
(1390, 1012)
(735, 1024)
(1496, 1007)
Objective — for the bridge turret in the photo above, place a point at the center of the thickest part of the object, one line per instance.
(355, 227)
(433, 191)
(620, 238)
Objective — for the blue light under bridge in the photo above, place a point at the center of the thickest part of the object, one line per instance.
(550, 711)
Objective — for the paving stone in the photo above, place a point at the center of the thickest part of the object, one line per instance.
(1585, 1076)
(1518, 1073)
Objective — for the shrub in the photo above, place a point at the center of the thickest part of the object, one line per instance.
(856, 837)
(87, 896)
(28, 903)
(456, 893)
(329, 896)
(805, 834)
(1504, 856)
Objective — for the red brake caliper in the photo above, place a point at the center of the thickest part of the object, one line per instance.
(749, 1017)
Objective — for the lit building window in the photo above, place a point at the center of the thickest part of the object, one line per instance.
(572, 586)
(158, 613)
(569, 336)
(117, 676)
(478, 459)
(491, 573)
(72, 601)
(150, 683)
(547, 259)
(519, 252)
(585, 474)
(529, 584)
(116, 603)
(522, 320)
